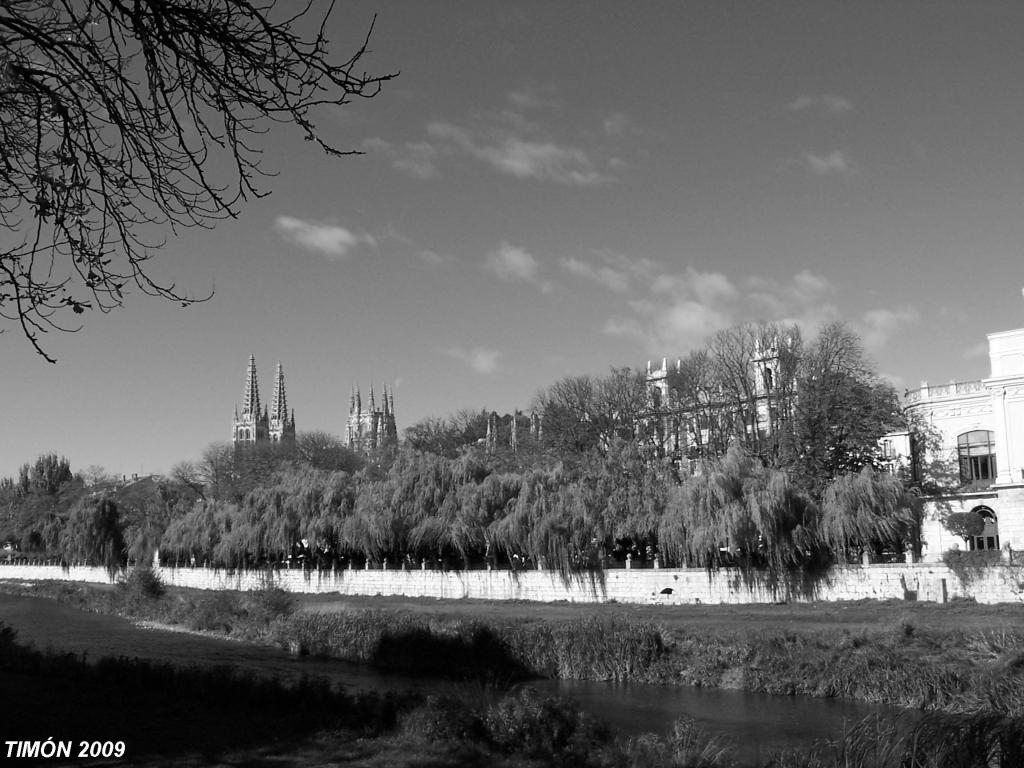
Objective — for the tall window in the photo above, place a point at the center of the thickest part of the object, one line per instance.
(977, 453)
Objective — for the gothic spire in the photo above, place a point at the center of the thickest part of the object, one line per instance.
(279, 405)
(251, 398)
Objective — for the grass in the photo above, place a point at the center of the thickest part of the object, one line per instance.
(921, 657)
(960, 658)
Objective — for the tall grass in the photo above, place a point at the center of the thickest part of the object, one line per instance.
(899, 664)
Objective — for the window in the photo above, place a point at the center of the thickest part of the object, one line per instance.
(977, 454)
(989, 538)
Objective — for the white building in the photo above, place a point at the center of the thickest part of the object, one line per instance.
(981, 430)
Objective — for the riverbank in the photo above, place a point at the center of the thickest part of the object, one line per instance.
(432, 725)
(958, 658)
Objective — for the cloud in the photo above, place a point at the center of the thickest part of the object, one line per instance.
(836, 104)
(680, 310)
(522, 158)
(480, 359)
(616, 272)
(532, 98)
(876, 326)
(618, 124)
(416, 158)
(612, 279)
(435, 259)
(514, 264)
(835, 162)
(331, 240)
(829, 103)
(975, 351)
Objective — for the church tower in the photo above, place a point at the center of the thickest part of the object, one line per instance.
(373, 428)
(250, 426)
(282, 424)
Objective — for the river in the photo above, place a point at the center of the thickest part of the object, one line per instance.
(756, 723)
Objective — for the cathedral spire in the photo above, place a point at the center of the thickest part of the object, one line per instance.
(280, 427)
(251, 398)
(279, 405)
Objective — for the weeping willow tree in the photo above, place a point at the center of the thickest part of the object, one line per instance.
(553, 521)
(94, 534)
(632, 490)
(193, 537)
(453, 519)
(337, 499)
(737, 511)
(868, 510)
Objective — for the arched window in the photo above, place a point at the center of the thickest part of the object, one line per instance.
(989, 538)
(977, 453)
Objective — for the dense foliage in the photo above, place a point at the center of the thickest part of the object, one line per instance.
(582, 488)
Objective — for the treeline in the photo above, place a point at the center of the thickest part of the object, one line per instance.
(471, 510)
(777, 470)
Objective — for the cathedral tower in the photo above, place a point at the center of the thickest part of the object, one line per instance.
(250, 426)
(282, 424)
(372, 428)
(253, 424)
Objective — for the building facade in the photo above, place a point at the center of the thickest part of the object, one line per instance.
(254, 423)
(976, 456)
(372, 427)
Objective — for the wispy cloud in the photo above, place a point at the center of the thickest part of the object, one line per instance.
(612, 279)
(614, 271)
(977, 351)
(532, 158)
(619, 124)
(533, 98)
(333, 241)
(834, 162)
(829, 103)
(480, 359)
(680, 310)
(514, 264)
(511, 140)
(416, 158)
(435, 259)
(877, 326)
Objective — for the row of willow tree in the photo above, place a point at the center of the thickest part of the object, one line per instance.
(776, 471)
(471, 510)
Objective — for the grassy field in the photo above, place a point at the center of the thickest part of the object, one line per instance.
(848, 616)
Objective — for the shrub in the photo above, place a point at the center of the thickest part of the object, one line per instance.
(141, 586)
(268, 604)
(545, 728)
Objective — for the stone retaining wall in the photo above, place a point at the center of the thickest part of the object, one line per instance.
(922, 581)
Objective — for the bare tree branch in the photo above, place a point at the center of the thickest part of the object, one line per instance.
(111, 112)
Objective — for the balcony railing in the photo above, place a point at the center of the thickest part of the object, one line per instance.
(929, 392)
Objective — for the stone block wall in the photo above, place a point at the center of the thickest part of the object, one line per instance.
(667, 586)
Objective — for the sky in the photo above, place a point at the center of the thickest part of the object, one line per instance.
(555, 189)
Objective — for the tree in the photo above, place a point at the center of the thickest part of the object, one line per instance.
(322, 450)
(112, 117)
(94, 533)
(842, 410)
(586, 413)
(869, 510)
(966, 525)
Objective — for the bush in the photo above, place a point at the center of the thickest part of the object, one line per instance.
(141, 585)
(266, 605)
(544, 728)
(969, 566)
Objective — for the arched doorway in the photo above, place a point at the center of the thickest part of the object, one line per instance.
(989, 538)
